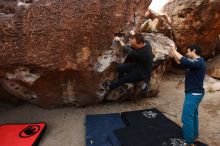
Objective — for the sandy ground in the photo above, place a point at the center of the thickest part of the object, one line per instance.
(66, 125)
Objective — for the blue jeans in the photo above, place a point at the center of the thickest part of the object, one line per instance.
(190, 117)
(127, 73)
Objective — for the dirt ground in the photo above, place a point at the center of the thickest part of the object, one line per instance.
(66, 125)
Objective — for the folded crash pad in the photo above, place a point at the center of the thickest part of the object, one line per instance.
(148, 136)
(149, 128)
(21, 134)
(151, 118)
(100, 129)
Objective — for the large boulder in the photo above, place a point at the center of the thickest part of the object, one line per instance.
(55, 34)
(213, 67)
(195, 21)
(211, 84)
(50, 49)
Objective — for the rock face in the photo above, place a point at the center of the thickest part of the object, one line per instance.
(213, 67)
(51, 50)
(211, 84)
(195, 21)
(56, 34)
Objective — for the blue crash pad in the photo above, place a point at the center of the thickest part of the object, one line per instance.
(100, 129)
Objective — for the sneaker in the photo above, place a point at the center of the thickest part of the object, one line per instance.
(105, 85)
(129, 85)
(101, 94)
(196, 140)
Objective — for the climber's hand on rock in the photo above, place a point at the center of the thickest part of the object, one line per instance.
(117, 39)
(171, 54)
(132, 32)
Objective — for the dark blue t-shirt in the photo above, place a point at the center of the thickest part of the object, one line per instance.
(195, 74)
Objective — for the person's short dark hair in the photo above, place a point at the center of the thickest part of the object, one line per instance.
(139, 38)
(149, 11)
(195, 47)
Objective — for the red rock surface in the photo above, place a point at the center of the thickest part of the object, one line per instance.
(56, 34)
(49, 47)
(195, 21)
(213, 67)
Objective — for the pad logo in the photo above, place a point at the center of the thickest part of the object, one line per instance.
(29, 131)
(149, 114)
(176, 141)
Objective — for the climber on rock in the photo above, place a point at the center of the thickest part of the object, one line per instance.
(140, 69)
(150, 22)
(156, 24)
